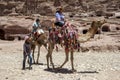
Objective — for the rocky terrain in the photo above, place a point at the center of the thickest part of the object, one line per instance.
(89, 65)
(48, 7)
(15, 28)
(98, 58)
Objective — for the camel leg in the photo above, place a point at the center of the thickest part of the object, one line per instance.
(51, 61)
(72, 64)
(33, 55)
(47, 57)
(45, 45)
(38, 55)
(66, 60)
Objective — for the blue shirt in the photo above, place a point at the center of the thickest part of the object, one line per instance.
(59, 17)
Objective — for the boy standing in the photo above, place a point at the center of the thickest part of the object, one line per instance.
(27, 52)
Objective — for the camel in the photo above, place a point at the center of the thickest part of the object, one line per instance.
(52, 42)
(40, 40)
(81, 39)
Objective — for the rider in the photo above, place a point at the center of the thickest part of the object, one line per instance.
(60, 18)
(37, 28)
(36, 25)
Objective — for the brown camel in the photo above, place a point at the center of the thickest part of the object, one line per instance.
(82, 38)
(69, 47)
(39, 40)
(52, 42)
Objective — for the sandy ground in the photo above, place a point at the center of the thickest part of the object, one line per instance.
(89, 65)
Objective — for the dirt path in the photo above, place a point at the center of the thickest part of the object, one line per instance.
(89, 65)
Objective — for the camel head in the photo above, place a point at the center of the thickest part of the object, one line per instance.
(98, 23)
(92, 30)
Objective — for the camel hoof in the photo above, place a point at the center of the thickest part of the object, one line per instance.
(48, 68)
(58, 68)
(53, 67)
(34, 63)
(73, 70)
(37, 62)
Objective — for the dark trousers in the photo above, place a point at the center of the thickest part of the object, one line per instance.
(24, 59)
(59, 24)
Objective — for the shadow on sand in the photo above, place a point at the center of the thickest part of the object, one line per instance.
(39, 64)
(63, 70)
(88, 72)
(66, 71)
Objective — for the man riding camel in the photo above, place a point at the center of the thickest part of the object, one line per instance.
(37, 28)
(60, 18)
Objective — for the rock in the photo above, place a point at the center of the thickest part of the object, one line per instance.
(21, 6)
(6, 12)
(105, 27)
(57, 3)
(0, 48)
(12, 27)
(84, 49)
(29, 17)
(11, 5)
(109, 14)
(84, 15)
(36, 15)
(6, 78)
(114, 27)
(45, 9)
(117, 15)
(68, 8)
(73, 3)
(2, 7)
(13, 14)
(99, 13)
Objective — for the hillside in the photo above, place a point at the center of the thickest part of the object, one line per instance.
(47, 7)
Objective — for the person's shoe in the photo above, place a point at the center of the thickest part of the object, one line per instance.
(23, 68)
(30, 68)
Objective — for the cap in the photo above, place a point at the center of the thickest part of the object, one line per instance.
(26, 37)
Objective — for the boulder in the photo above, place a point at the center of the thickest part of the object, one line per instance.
(12, 27)
(13, 14)
(105, 27)
(110, 27)
(6, 12)
(45, 9)
(57, 3)
(11, 31)
(114, 27)
(117, 15)
(11, 5)
(69, 8)
(2, 7)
